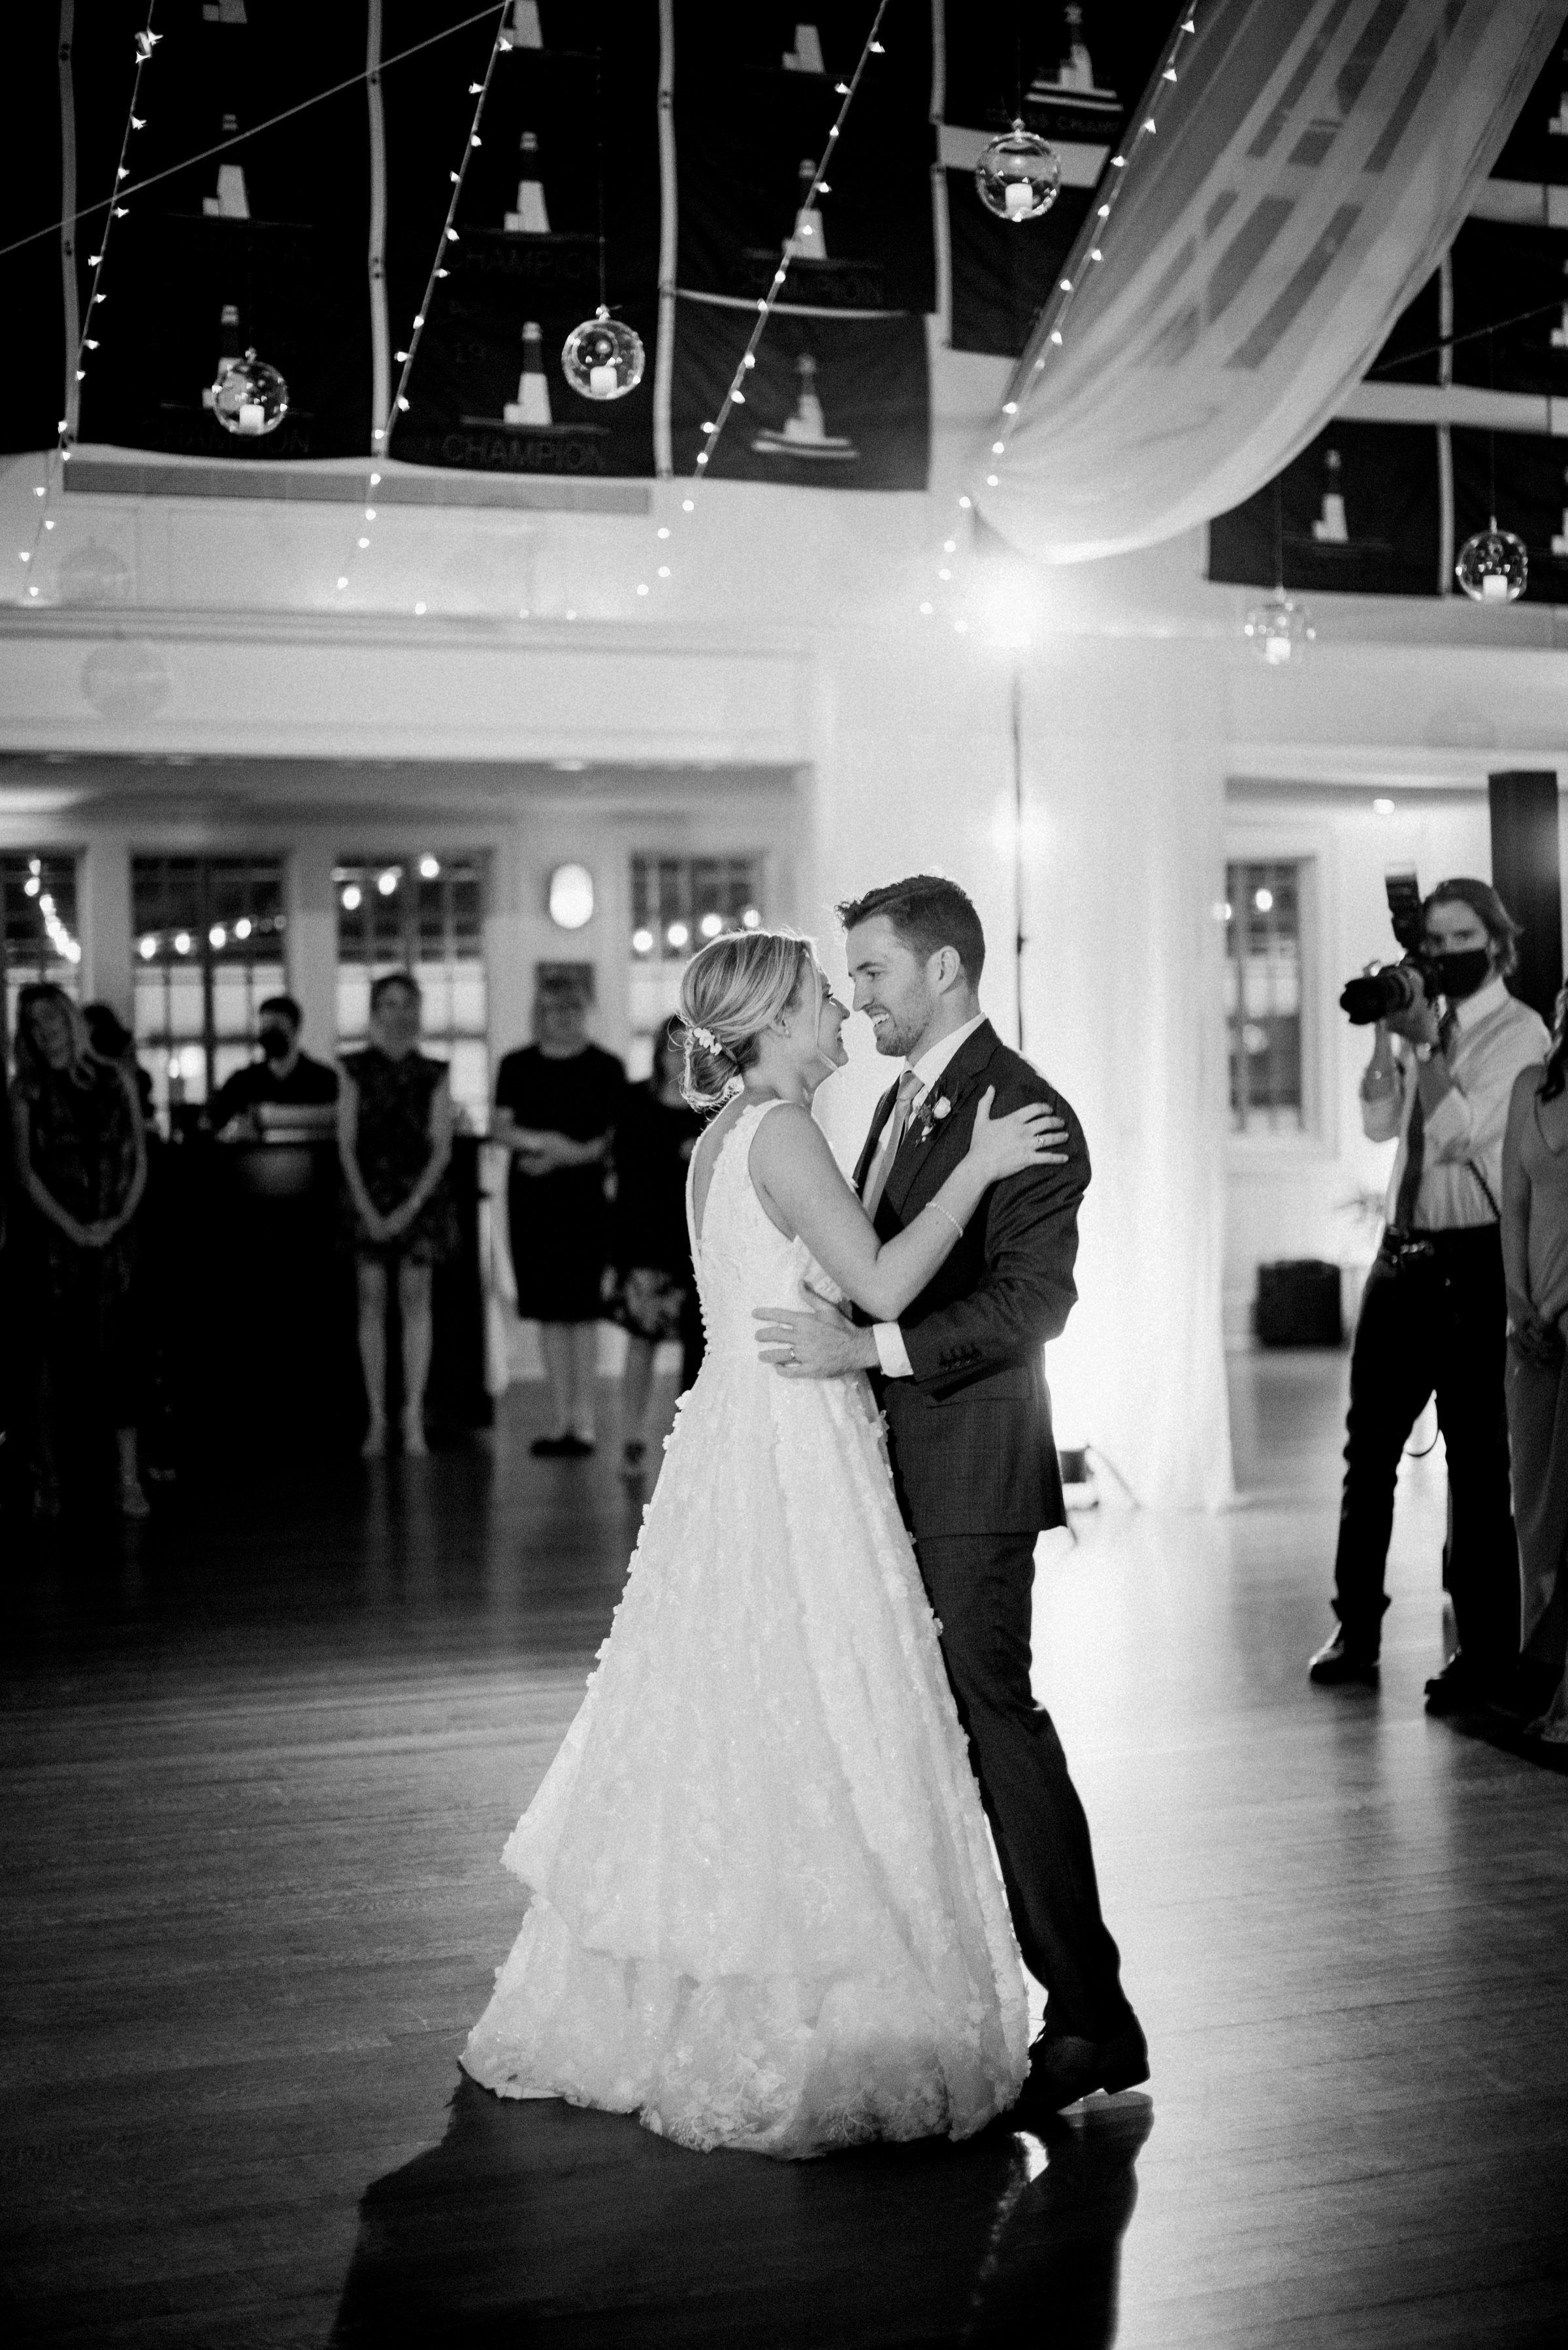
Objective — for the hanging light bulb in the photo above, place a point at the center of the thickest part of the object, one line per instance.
(1494, 565)
(603, 359)
(1019, 175)
(248, 397)
(1279, 630)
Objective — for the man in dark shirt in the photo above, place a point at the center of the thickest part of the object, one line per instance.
(284, 1073)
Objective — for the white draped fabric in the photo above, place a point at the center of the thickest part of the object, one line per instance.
(1312, 164)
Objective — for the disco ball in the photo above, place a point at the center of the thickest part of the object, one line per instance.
(1492, 566)
(1019, 176)
(1279, 630)
(603, 357)
(249, 397)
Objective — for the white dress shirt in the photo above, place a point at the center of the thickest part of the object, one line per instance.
(891, 1351)
(1495, 1037)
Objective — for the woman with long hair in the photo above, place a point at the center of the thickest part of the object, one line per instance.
(394, 1139)
(81, 1165)
(766, 1912)
(1535, 1266)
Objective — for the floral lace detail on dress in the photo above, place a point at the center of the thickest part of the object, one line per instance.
(765, 1910)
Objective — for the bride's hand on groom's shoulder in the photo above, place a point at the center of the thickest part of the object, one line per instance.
(1023, 1137)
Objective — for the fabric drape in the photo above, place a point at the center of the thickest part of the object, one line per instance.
(1311, 164)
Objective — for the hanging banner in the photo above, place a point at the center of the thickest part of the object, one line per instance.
(1359, 512)
(567, 123)
(262, 245)
(755, 95)
(1069, 74)
(835, 401)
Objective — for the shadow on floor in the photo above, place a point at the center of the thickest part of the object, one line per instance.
(535, 2222)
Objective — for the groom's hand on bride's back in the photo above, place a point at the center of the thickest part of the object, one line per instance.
(819, 1344)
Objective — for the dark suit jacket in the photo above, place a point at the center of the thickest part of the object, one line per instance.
(970, 1433)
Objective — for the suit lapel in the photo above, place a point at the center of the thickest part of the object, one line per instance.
(882, 1113)
(924, 1167)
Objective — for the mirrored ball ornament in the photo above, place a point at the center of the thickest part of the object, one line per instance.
(603, 359)
(1019, 176)
(1493, 567)
(1279, 630)
(249, 398)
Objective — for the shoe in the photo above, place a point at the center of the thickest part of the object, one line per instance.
(1064, 2067)
(578, 1448)
(1336, 1663)
(134, 1502)
(1455, 1689)
(551, 1448)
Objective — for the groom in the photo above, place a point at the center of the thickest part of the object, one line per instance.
(961, 1379)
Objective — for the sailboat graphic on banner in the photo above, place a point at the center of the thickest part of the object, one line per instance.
(1077, 104)
(805, 434)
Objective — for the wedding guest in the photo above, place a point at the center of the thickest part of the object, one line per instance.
(654, 1291)
(556, 1105)
(1535, 1267)
(394, 1139)
(1433, 1317)
(81, 1165)
(154, 1277)
(285, 1072)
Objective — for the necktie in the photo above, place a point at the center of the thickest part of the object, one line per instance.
(1416, 1143)
(910, 1084)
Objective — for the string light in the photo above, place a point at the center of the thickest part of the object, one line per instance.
(712, 428)
(1071, 283)
(381, 434)
(146, 41)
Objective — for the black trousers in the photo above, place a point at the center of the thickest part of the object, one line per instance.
(1433, 1324)
(980, 1586)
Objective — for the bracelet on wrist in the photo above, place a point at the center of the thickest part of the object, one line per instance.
(952, 1219)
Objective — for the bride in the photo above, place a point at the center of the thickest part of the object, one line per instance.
(766, 1911)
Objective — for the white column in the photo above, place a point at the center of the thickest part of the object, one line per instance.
(104, 885)
(312, 957)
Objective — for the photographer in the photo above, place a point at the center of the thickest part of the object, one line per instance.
(1433, 1316)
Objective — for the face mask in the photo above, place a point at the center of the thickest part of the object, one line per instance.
(1460, 973)
(276, 1043)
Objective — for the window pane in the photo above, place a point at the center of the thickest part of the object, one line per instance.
(209, 940)
(1264, 996)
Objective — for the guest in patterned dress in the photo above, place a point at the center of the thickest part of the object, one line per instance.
(394, 1137)
(81, 1165)
(653, 1293)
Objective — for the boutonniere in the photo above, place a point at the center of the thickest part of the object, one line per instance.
(931, 1114)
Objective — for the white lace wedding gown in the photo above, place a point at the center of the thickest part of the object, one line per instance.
(766, 1912)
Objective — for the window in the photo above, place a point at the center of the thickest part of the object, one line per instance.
(425, 915)
(37, 926)
(209, 934)
(1264, 996)
(677, 904)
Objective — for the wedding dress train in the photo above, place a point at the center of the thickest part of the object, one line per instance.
(766, 1912)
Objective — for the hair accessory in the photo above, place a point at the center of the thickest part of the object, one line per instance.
(706, 1038)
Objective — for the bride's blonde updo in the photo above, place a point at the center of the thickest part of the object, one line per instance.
(730, 992)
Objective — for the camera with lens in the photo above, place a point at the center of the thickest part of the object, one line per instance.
(1391, 988)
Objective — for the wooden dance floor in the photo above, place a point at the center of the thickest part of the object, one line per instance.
(259, 1763)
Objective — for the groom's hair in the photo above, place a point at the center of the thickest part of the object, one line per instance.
(927, 913)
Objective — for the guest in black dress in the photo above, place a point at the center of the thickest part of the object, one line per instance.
(655, 1292)
(81, 1165)
(556, 1104)
(394, 1139)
